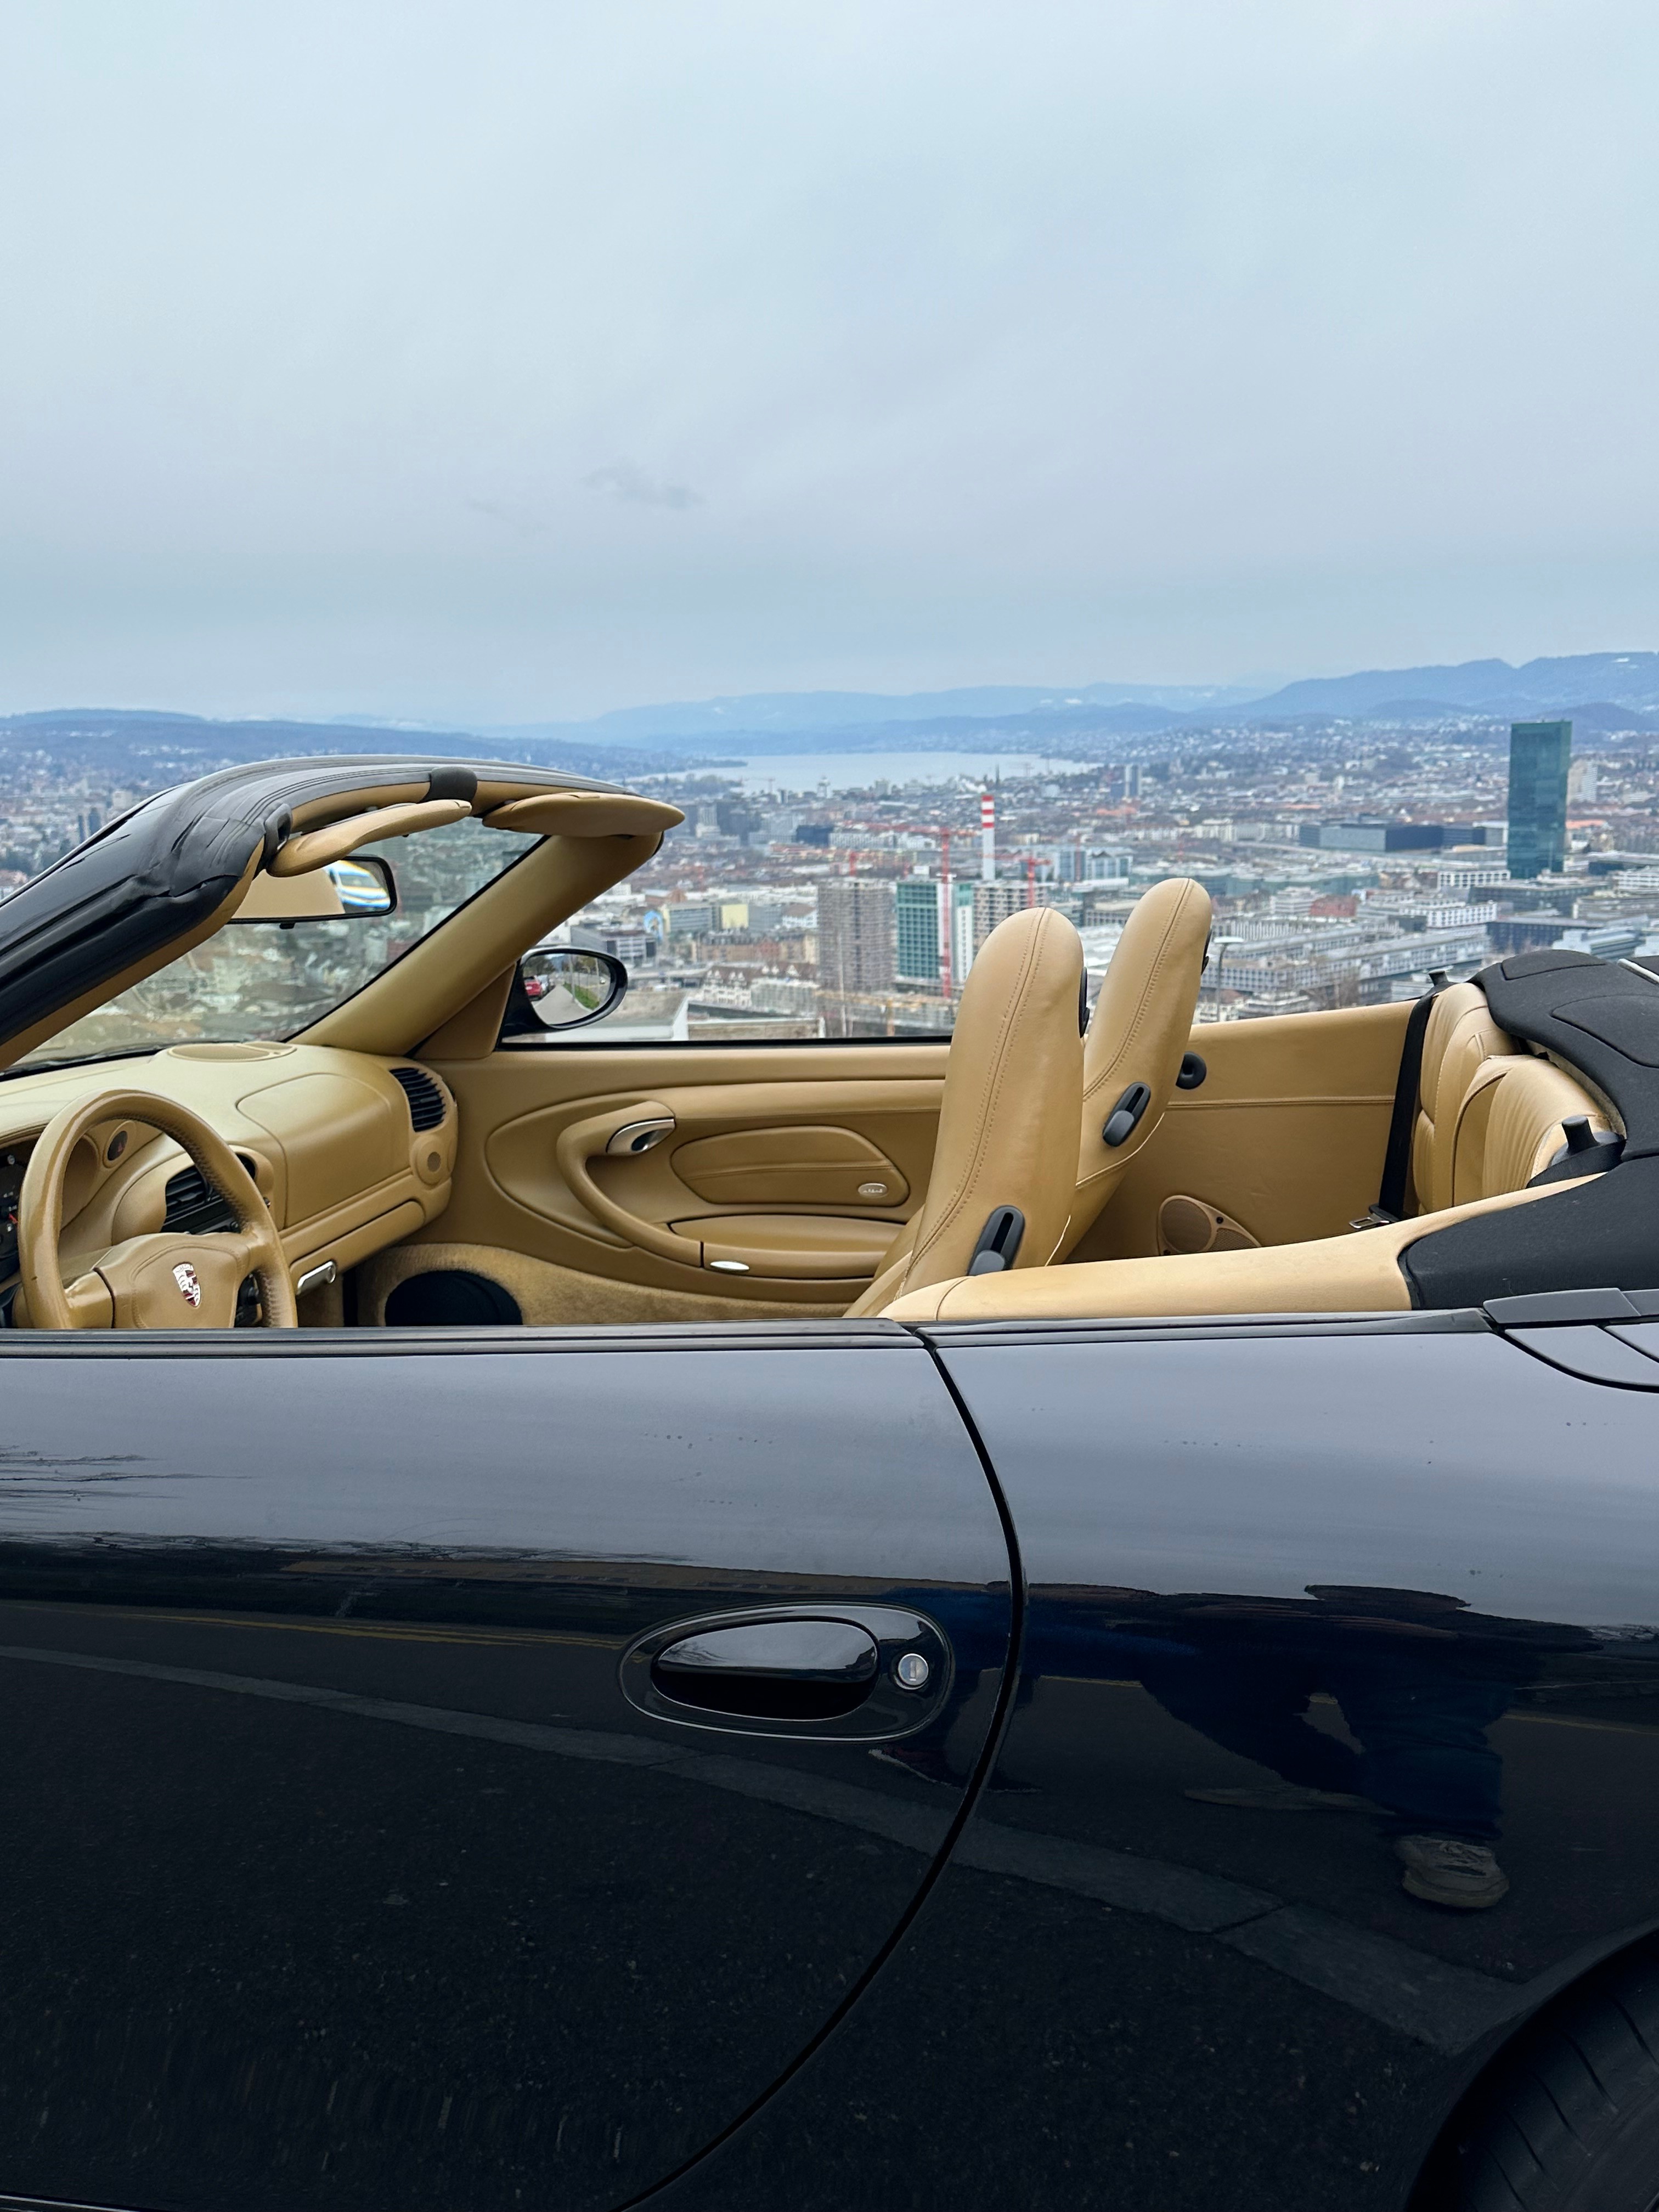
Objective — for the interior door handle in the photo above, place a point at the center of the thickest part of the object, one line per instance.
(585, 1140)
(853, 1674)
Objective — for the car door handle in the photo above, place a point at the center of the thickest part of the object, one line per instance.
(773, 1669)
(856, 1673)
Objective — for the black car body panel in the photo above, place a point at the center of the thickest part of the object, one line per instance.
(341, 1871)
(1188, 2005)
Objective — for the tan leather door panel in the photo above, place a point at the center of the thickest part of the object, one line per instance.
(1286, 1134)
(816, 1247)
(771, 1162)
(800, 1167)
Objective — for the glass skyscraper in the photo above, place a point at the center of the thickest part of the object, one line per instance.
(1539, 754)
(917, 930)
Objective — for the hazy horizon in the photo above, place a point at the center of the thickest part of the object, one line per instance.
(534, 362)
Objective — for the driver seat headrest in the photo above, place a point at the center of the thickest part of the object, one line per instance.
(1008, 1121)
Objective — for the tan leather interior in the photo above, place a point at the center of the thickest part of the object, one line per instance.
(1139, 1033)
(587, 814)
(1504, 1129)
(638, 1183)
(1357, 1273)
(1460, 1034)
(328, 1134)
(315, 848)
(878, 1101)
(1508, 1128)
(1014, 1074)
(1287, 1136)
(1192, 1224)
(551, 1296)
(155, 1280)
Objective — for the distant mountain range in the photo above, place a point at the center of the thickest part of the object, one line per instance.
(1610, 690)
(1602, 693)
(146, 749)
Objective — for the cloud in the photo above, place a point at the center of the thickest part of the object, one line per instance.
(636, 486)
(515, 518)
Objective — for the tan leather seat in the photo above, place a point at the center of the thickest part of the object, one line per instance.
(1508, 1125)
(1139, 1033)
(1505, 1129)
(1461, 1035)
(1008, 1121)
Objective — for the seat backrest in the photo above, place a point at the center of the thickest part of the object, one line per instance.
(1138, 1032)
(1508, 1128)
(1462, 1035)
(1008, 1121)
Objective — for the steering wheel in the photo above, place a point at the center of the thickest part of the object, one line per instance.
(164, 1281)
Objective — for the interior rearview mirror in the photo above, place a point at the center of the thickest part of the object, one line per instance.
(345, 891)
(561, 987)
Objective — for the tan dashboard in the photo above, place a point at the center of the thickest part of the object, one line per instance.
(351, 1153)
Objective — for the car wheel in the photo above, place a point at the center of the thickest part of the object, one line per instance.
(1569, 2120)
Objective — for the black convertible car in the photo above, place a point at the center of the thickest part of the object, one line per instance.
(591, 1619)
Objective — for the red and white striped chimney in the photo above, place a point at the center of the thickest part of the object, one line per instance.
(987, 839)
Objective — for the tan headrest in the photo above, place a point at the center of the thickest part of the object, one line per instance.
(1509, 1129)
(1462, 1035)
(1013, 1091)
(1139, 1033)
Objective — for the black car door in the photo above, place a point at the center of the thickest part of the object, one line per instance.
(1408, 1561)
(1298, 1594)
(439, 1768)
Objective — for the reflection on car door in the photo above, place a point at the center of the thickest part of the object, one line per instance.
(1300, 1591)
(350, 1859)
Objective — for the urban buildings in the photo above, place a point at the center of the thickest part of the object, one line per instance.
(1346, 864)
(917, 945)
(857, 950)
(1540, 754)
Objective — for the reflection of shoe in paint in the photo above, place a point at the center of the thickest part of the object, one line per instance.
(925, 1765)
(1446, 1870)
(1282, 1797)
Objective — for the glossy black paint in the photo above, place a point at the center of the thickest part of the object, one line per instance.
(1120, 1997)
(339, 1869)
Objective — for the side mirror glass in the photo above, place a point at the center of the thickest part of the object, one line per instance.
(345, 891)
(563, 987)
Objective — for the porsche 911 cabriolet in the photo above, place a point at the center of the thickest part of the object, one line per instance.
(1064, 1618)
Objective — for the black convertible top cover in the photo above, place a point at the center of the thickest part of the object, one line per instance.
(1603, 1017)
(162, 870)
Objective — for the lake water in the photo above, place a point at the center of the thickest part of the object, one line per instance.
(810, 773)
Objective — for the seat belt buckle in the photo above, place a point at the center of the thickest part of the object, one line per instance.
(1374, 1216)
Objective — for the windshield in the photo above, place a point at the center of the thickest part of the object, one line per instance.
(261, 980)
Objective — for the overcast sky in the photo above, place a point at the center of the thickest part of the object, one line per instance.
(495, 362)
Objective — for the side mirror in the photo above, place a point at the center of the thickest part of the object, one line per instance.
(344, 890)
(563, 988)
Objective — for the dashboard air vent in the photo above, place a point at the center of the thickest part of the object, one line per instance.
(187, 1192)
(426, 1100)
(193, 1206)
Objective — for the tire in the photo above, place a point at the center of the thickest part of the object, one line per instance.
(1568, 2121)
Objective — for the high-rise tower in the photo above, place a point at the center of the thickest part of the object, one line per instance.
(1539, 755)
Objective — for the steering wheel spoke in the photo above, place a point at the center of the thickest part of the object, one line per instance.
(160, 1281)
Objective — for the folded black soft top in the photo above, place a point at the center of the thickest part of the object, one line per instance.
(163, 869)
(1602, 1016)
